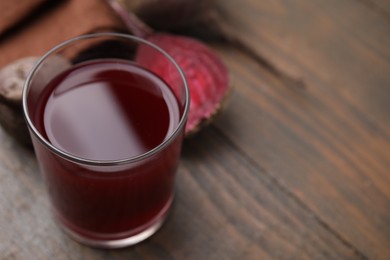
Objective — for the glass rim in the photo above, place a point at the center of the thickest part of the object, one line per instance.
(70, 157)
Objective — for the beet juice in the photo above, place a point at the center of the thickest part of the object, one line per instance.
(108, 110)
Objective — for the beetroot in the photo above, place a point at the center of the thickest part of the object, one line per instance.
(12, 78)
(207, 76)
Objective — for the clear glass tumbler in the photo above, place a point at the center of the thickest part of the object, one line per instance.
(106, 114)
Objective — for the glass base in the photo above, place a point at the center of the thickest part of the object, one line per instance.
(135, 237)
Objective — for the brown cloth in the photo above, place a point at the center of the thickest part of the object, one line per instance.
(12, 12)
(59, 23)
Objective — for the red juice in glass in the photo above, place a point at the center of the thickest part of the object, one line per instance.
(98, 114)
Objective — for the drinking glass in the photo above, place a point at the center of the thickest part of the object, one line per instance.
(105, 202)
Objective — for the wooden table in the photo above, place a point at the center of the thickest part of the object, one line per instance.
(296, 167)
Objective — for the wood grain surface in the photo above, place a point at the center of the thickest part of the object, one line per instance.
(296, 167)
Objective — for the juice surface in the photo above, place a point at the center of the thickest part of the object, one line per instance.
(107, 110)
